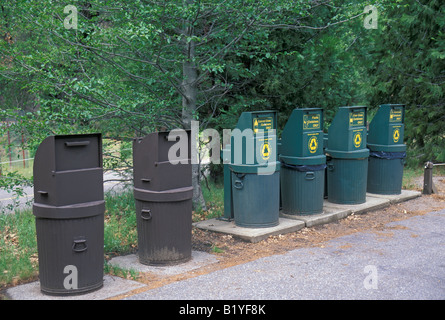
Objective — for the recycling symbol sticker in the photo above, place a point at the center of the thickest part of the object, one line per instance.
(313, 144)
(357, 139)
(265, 151)
(396, 135)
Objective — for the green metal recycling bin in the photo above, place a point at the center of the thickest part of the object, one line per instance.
(347, 164)
(302, 163)
(255, 175)
(386, 150)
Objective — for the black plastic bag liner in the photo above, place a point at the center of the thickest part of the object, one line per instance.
(387, 155)
(304, 168)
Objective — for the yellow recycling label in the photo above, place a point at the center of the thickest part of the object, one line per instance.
(357, 139)
(313, 144)
(265, 124)
(265, 151)
(396, 135)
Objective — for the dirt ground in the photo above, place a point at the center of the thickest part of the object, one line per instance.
(233, 251)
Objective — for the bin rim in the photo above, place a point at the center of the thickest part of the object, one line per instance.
(170, 195)
(387, 148)
(253, 168)
(388, 155)
(73, 211)
(357, 154)
(316, 160)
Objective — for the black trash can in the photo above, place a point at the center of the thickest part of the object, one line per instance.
(163, 194)
(69, 208)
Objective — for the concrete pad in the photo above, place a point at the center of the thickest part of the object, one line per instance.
(113, 286)
(328, 215)
(131, 262)
(396, 198)
(251, 234)
(372, 203)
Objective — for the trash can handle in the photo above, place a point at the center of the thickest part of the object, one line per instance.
(238, 184)
(43, 193)
(80, 245)
(310, 175)
(146, 214)
(76, 143)
(330, 166)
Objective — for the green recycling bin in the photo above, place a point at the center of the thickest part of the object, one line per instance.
(386, 150)
(255, 175)
(347, 164)
(302, 170)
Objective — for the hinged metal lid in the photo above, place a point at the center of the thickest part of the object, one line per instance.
(386, 130)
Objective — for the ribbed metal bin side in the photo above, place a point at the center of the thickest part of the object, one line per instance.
(67, 243)
(385, 176)
(256, 199)
(164, 225)
(304, 191)
(347, 180)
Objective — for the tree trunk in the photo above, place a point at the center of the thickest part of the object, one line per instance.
(189, 90)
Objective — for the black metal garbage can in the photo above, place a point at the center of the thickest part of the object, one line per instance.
(69, 208)
(163, 194)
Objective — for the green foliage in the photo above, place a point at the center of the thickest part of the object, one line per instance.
(136, 66)
(406, 64)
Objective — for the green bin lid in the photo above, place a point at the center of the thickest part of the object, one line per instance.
(303, 135)
(386, 129)
(253, 143)
(347, 132)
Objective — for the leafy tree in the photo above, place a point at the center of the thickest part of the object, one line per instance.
(406, 64)
(131, 67)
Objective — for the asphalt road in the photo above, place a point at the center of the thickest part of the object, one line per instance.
(405, 263)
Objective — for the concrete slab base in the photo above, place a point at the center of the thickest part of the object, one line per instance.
(396, 198)
(372, 203)
(131, 262)
(251, 234)
(113, 286)
(328, 215)
(331, 212)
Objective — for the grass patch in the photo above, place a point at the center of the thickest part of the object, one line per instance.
(120, 234)
(18, 247)
(409, 177)
(213, 194)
